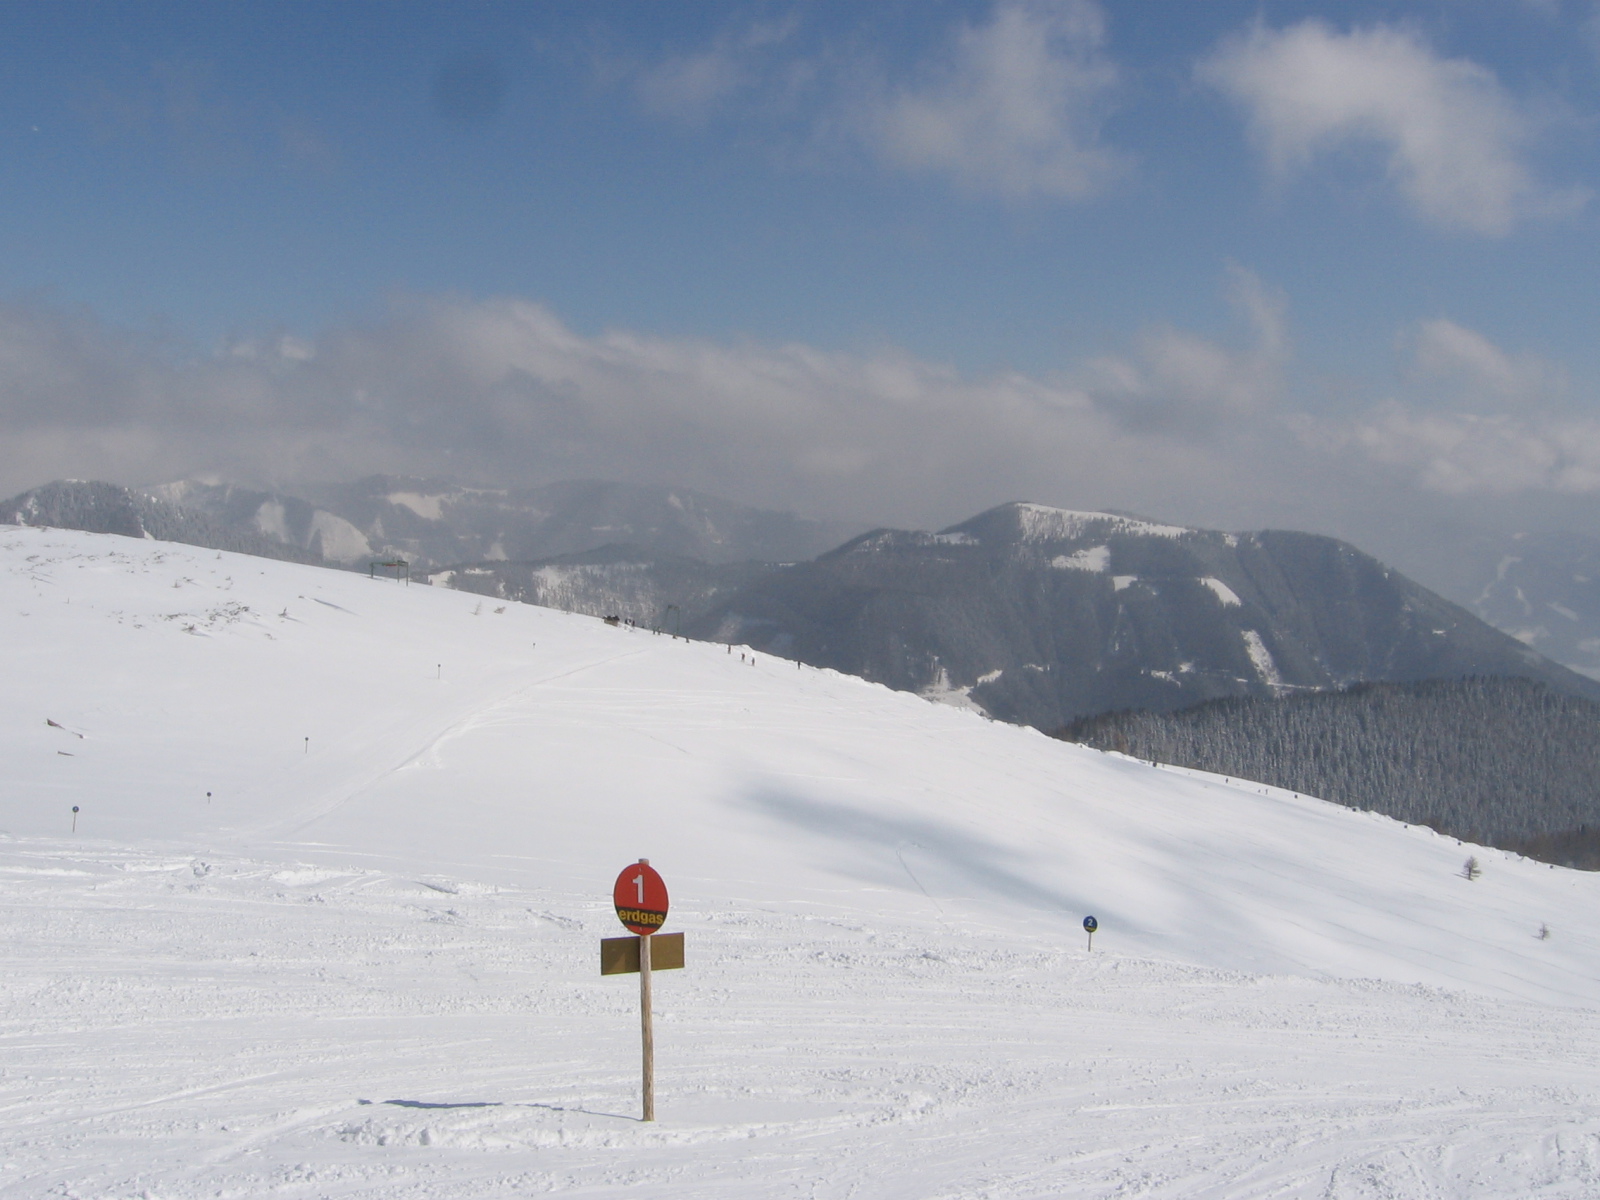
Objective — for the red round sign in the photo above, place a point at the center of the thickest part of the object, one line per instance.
(641, 898)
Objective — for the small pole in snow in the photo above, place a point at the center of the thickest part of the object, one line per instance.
(647, 1029)
(438, 671)
(208, 797)
(308, 745)
(1089, 926)
(74, 818)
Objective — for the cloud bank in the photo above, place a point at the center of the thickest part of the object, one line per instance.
(503, 391)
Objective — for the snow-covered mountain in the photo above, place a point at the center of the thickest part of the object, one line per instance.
(439, 523)
(1545, 591)
(97, 507)
(1041, 615)
(432, 523)
(662, 591)
(327, 926)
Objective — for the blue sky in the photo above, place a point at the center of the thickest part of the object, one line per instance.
(1331, 266)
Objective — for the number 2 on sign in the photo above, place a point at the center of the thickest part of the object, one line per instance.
(638, 882)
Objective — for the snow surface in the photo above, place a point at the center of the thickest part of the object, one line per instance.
(1261, 659)
(428, 507)
(367, 967)
(1225, 595)
(943, 691)
(1090, 558)
(1040, 522)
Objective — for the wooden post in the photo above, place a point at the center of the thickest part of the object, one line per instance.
(647, 1029)
(640, 897)
(647, 1032)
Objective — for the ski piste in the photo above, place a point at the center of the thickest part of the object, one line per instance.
(366, 967)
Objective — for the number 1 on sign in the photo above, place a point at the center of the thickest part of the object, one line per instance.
(638, 882)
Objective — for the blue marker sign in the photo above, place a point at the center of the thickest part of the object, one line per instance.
(1089, 926)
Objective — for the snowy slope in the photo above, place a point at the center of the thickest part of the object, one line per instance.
(368, 965)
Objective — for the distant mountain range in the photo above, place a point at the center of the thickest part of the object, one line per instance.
(436, 523)
(1545, 591)
(432, 524)
(1030, 614)
(1040, 616)
(637, 584)
(109, 508)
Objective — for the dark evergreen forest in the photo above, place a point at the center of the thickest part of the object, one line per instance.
(1497, 761)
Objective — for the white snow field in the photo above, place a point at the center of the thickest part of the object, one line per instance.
(368, 965)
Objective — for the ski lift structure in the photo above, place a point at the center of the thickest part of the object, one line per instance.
(400, 567)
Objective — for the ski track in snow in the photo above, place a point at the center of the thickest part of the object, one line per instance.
(368, 968)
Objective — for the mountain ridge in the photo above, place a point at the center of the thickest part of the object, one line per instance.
(434, 523)
(1028, 613)
(1042, 615)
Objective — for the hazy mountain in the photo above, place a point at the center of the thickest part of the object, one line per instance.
(656, 590)
(1501, 762)
(437, 523)
(107, 508)
(283, 520)
(1042, 615)
(1545, 591)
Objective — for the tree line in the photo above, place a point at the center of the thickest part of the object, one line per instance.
(1497, 761)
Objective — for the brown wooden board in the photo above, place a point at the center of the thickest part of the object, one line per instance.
(620, 956)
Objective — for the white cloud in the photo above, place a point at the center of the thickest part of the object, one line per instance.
(1179, 380)
(1010, 106)
(1476, 420)
(690, 87)
(1453, 136)
(1481, 373)
(1016, 108)
(1464, 454)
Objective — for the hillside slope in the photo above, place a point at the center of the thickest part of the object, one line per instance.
(109, 508)
(1544, 590)
(1040, 616)
(655, 590)
(327, 926)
